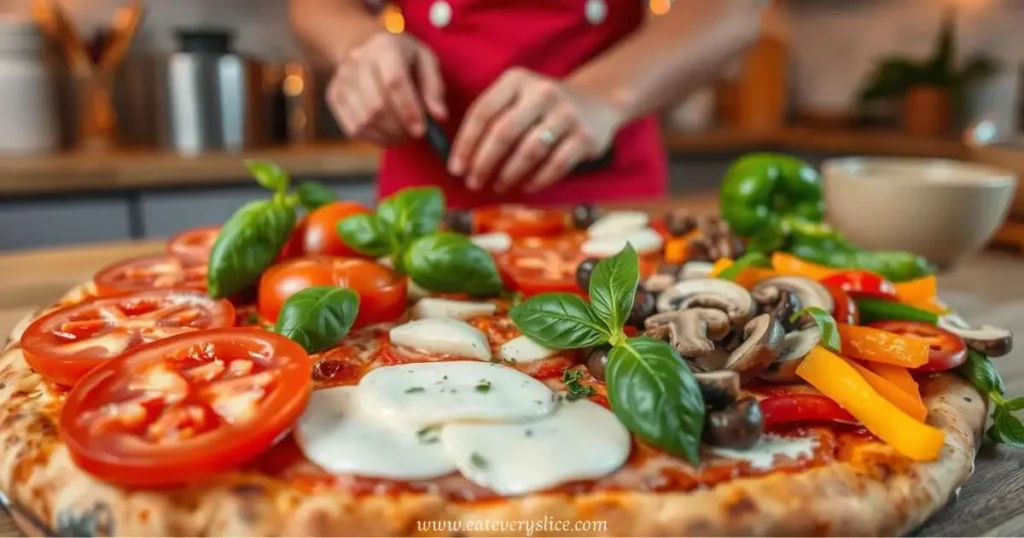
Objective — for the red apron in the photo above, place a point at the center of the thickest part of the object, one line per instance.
(476, 41)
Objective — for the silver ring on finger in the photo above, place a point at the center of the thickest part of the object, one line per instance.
(548, 137)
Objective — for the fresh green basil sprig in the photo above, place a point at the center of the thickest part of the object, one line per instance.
(405, 228)
(650, 387)
(826, 324)
(318, 317)
(253, 237)
(1006, 428)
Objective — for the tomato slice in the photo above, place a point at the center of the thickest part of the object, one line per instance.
(382, 291)
(321, 229)
(64, 345)
(520, 221)
(542, 265)
(845, 308)
(945, 349)
(862, 284)
(184, 408)
(194, 244)
(148, 272)
(778, 409)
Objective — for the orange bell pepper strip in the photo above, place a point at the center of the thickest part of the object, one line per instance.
(748, 278)
(876, 345)
(922, 289)
(676, 247)
(890, 391)
(839, 380)
(720, 265)
(790, 265)
(897, 375)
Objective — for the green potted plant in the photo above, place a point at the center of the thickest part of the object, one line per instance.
(930, 87)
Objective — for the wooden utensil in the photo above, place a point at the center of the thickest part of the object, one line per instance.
(127, 20)
(58, 26)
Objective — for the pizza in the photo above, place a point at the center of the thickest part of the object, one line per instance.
(505, 371)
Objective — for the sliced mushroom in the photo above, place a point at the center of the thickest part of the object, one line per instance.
(660, 282)
(710, 293)
(762, 343)
(719, 389)
(807, 291)
(780, 304)
(795, 346)
(987, 339)
(738, 426)
(696, 269)
(691, 332)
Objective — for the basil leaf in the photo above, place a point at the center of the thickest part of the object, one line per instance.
(451, 263)
(559, 321)
(412, 213)
(318, 317)
(1007, 429)
(1015, 404)
(655, 395)
(247, 244)
(979, 371)
(269, 175)
(313, 194)
(613, 286)
(748, 260)
(826, 324)
(366, 234)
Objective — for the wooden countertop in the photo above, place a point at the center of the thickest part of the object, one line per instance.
(127, 170)
(985, 289)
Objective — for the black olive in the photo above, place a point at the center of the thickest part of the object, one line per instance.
(738, 426)
(583, 215)
(597, 361)
(458, 220)
(583, 272)
(643, 307)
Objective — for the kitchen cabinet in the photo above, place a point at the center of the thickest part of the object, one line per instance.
(41, 223)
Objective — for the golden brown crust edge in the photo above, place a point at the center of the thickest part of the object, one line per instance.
(873, 495)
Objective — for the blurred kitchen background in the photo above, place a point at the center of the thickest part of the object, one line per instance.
(123, 119)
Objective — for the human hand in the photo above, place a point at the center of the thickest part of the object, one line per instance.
(373, 95)
(539, 123)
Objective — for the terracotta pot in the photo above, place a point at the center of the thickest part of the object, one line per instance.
(927, 111)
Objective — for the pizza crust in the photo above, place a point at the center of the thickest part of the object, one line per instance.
(876, 493)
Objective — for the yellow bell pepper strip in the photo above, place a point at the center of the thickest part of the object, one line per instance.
(837, 379)
(720, 265)
(897, 375)
(790, 265)
(921, 290)
(899, 397)
(876, 345)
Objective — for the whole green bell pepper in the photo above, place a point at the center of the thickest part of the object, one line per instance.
(761, 189)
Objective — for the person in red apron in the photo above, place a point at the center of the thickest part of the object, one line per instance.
(526, 90)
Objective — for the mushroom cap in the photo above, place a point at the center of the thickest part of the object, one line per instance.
(795, 346)
(692, 332)
(989, 340)
(781, 304)
(719, 388)
(809, 292)
(724, 295)
(762, 341)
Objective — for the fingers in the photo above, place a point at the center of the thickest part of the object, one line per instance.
(477, 118)
(376, 111)
(428, 73)
(397, 89)
(507, 130)
(563, 159)
(534, 148)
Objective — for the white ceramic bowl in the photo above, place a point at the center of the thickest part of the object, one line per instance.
(940, 209)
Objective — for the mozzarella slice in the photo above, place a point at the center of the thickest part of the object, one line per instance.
(343, 437)
(617, 223)
(449, 336)
(644, 240)
(494, 242)
(446, 308)
(523, 349)
(426, 394)
(579, 441)
(762, 455)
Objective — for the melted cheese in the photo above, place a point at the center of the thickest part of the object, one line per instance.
(579, 441)
(342, 437)
(445, 308)
(523, 349)
(644, 240)
(448, 336)
(497, 242)
(763, 454)
(427, 394)
(618, 222)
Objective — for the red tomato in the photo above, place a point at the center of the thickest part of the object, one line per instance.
(187, 407)
(780, 409)
(542, 265)
(845, 308)
(194, 244)
(66, 344)
(148, 272)
(321, 235)
(382, 291)
(293, 247)
(945, 349)
(862, 284)
(520, 221)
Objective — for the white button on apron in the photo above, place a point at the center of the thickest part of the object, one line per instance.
(440, 13)
(596, 11)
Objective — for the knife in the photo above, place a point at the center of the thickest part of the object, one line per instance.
(439, 142)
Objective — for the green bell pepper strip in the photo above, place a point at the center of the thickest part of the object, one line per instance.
(881, 310)
(836, 252)
(761, 189)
